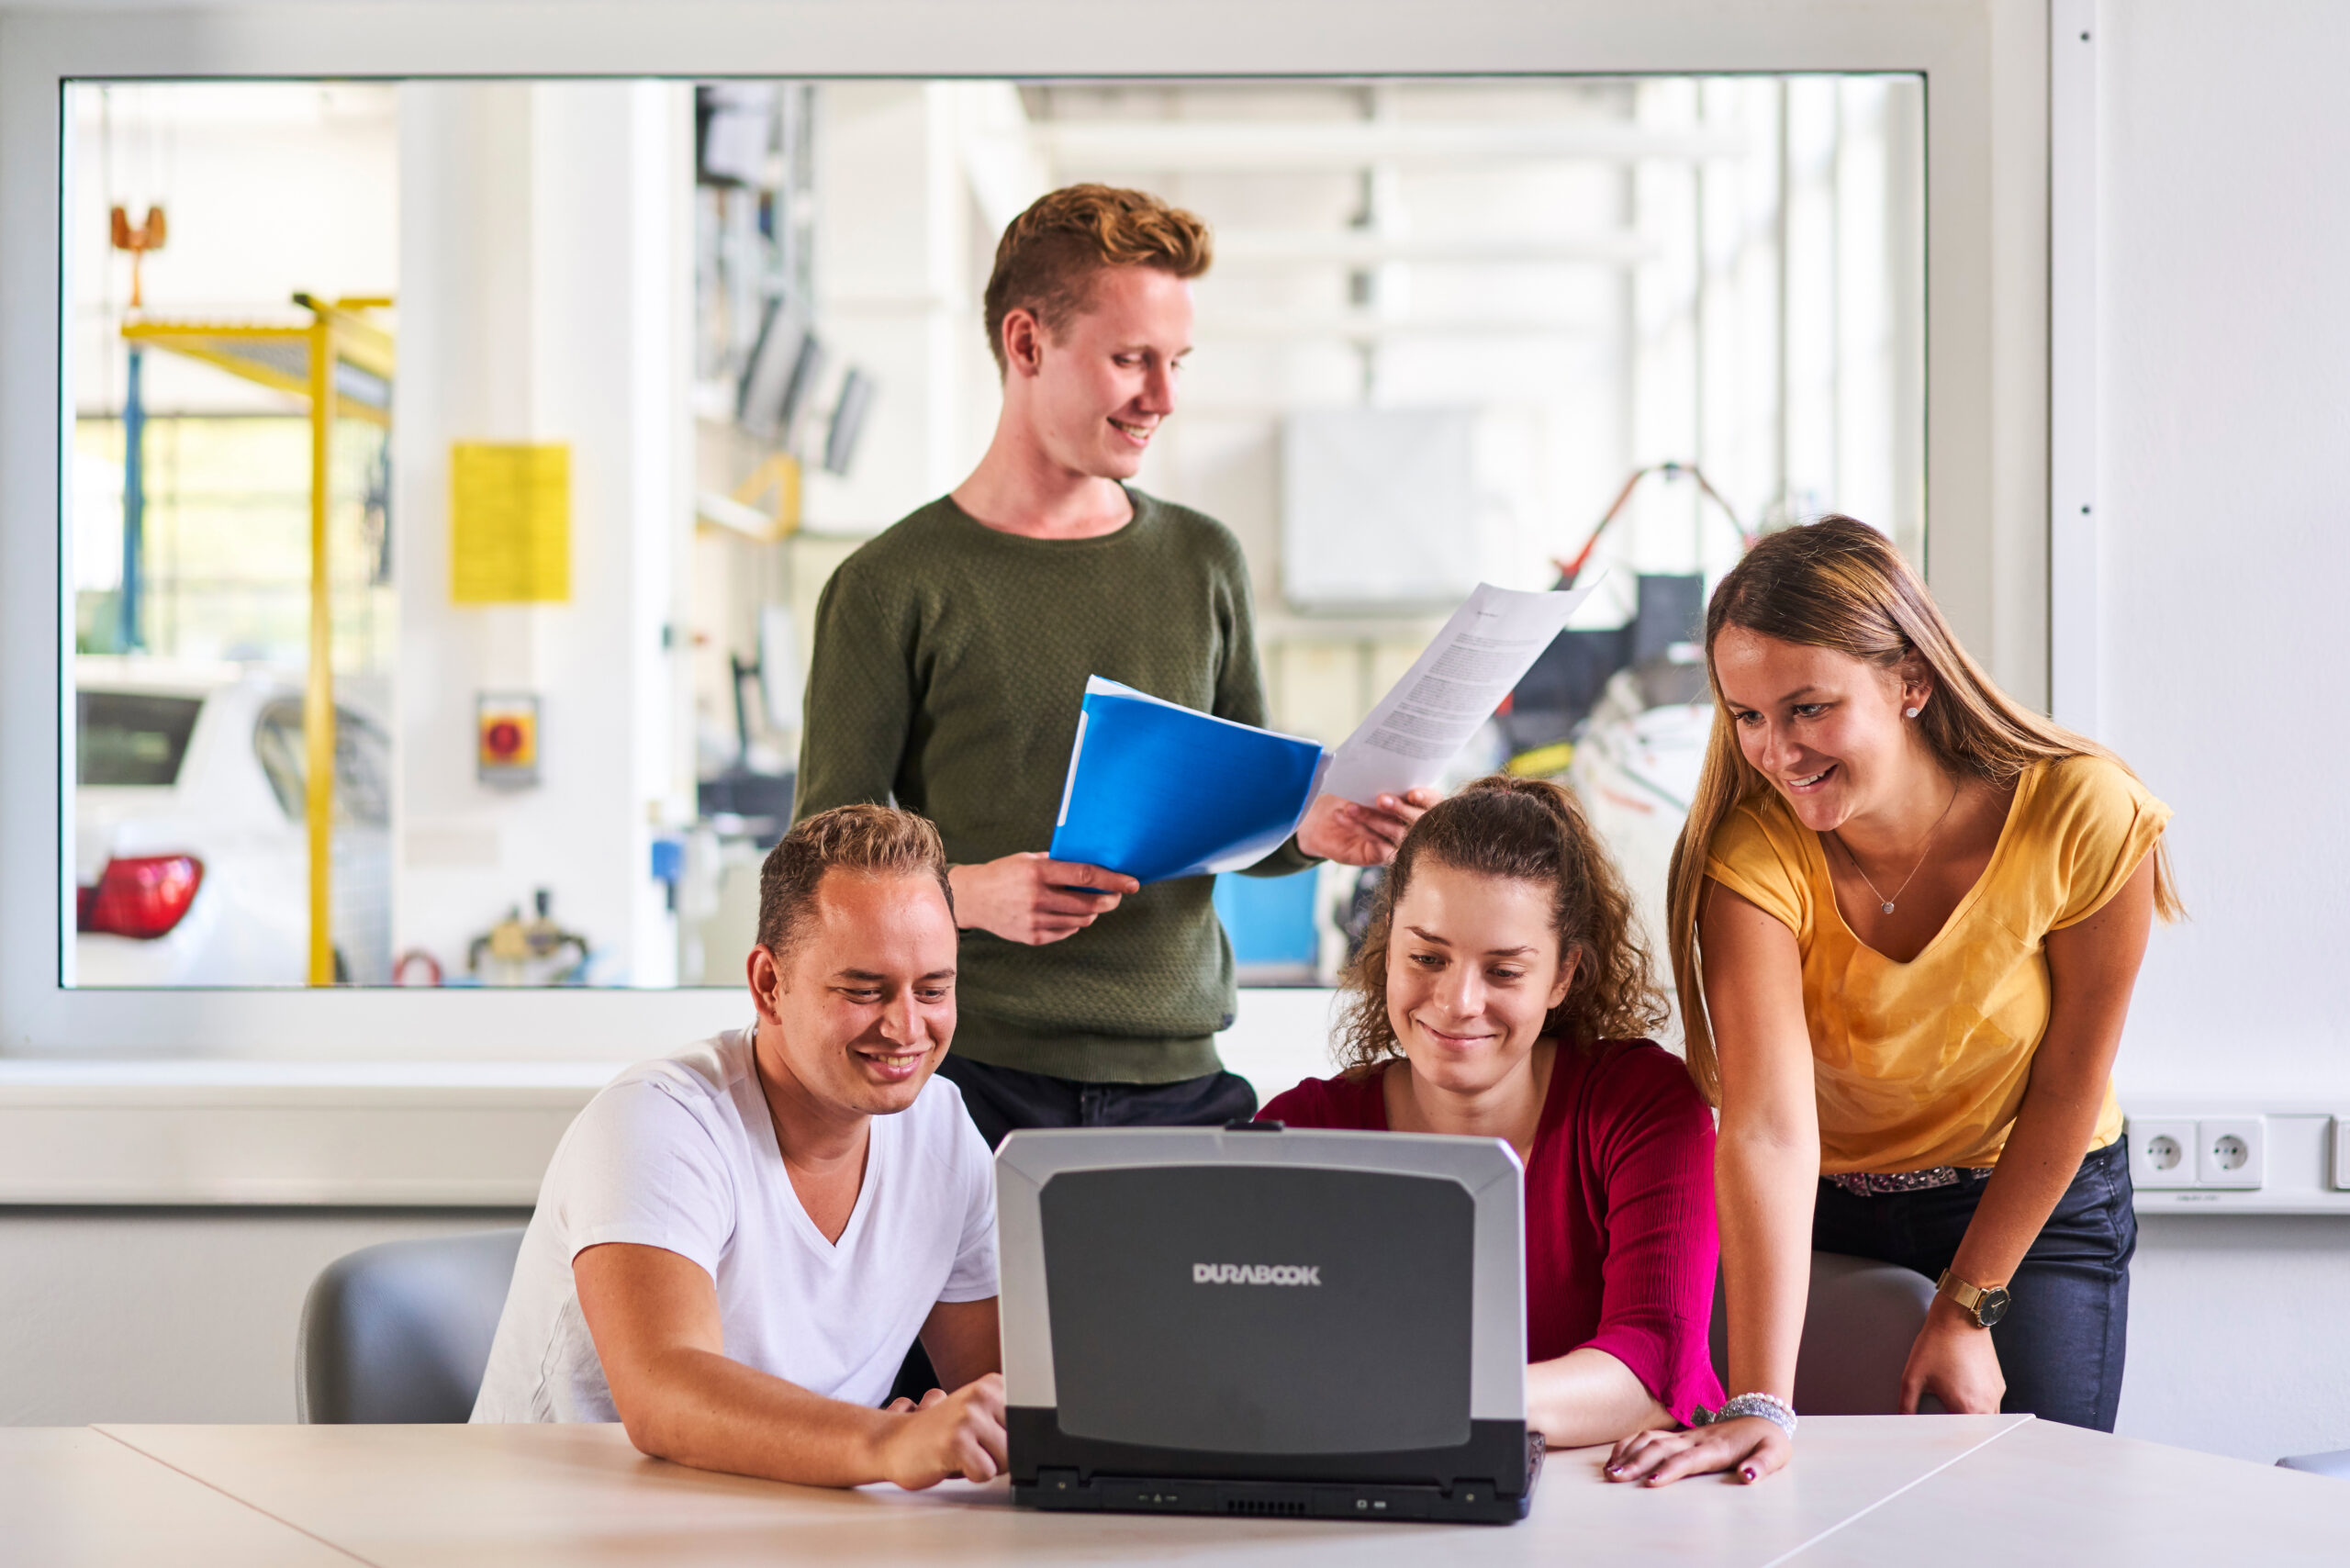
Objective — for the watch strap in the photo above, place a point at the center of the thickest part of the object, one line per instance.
(1968, 1296)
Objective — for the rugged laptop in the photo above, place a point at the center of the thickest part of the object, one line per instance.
(1246, 1320)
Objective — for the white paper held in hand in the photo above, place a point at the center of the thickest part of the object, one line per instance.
(1452, 689)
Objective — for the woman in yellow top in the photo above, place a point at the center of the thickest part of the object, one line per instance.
(1905, 917)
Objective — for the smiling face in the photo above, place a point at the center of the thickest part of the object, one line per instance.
(1473, 968)
(1828, 731)
(1095, 391)
(861, 1008)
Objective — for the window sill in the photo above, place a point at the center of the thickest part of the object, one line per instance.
(251, 1133)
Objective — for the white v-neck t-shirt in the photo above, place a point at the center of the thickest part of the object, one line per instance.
(680, 1153)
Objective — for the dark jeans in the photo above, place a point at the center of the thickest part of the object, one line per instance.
(1001, 1100)
(2061, 1344)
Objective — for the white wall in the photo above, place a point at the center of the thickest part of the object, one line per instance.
(172, 1314)
(2223, 388)
(544, 297)
(895, 295)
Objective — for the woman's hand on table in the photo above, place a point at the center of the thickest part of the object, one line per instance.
(1339, 830)
(946, 1435)
(1749, 1445)
(1953, 1361)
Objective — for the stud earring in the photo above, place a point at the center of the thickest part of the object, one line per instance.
(1909, 712)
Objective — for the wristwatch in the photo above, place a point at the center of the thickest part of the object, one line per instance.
(1987, 1307)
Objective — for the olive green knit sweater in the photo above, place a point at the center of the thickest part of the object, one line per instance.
(950, 662)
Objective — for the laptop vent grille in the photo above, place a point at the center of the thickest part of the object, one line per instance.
(1285, 1507)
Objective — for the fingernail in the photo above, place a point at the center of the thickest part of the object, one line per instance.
(1748, 1472)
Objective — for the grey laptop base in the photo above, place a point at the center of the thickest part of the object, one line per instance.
(1488, 1480)
(1246, 1320)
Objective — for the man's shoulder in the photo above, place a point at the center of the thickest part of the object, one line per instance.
(915, 537)
(1188, 529)
(702, 1074)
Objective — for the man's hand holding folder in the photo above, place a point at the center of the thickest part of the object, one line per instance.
(1035, 898)
(1158, 792)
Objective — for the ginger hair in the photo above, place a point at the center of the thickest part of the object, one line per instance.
(1051, 255)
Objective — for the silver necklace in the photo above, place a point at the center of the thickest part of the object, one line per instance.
(1883, 902)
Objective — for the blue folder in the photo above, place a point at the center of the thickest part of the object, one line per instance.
(1157, 790)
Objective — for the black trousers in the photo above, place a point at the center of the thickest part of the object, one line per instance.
(2061, 1345)
(1002, 1099)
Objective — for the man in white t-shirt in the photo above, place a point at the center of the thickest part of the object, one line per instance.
(735, 1246)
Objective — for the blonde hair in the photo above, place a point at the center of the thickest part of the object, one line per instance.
(866, 840)
(1839, 584)
(1047, 257)
(1525, 830)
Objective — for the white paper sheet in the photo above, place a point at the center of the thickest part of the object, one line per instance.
(1453, 688)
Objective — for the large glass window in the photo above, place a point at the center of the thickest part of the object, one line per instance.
(559, 402)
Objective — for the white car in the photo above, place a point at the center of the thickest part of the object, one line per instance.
(190, 855)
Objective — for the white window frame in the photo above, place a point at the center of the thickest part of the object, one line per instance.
(1985, 66)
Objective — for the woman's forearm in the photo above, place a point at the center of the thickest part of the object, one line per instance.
(1763, 1187)
(2092, 968)
(2042, 1157)
(1588, 1396)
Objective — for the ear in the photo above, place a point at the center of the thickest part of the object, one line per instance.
(1916, 677)
(766, 984)
(1568, 964)
(1023, 342)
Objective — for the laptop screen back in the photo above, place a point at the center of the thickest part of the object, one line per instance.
(1255, 1309)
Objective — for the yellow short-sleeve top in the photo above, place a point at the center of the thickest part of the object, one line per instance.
(1924, 1063)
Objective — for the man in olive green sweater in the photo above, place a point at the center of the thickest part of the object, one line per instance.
(951, 657)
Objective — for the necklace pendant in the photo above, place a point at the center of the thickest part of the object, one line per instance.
(1887, 907)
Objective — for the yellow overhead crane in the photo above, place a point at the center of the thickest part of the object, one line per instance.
(340, 364)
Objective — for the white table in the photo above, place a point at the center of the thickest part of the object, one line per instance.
(1978, 1490)
(72, 1495)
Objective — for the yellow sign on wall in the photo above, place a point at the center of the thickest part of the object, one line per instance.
(509, 522)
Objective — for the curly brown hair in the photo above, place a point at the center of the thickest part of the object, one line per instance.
(1525, 829)
(1045, 262)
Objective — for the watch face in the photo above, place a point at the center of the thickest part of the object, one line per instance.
(1993, 1306)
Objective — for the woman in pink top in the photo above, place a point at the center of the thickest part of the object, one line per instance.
(1499, 994)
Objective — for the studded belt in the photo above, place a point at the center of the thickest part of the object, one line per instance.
(1878, 1184)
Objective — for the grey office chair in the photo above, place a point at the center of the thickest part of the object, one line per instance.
(400, 1332)
(2336, 1463)
(1856, 1335)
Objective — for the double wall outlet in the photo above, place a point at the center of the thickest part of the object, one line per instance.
(2223, 1152)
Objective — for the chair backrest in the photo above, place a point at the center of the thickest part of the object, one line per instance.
(400, 1332)
(1857, 1331)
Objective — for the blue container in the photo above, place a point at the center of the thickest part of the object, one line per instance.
(1271, 923)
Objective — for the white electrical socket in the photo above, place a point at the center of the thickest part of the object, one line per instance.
(2231, 1152)
(2342, 1153)
(2162, 1152)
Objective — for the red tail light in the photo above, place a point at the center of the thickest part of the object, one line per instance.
(143, 897)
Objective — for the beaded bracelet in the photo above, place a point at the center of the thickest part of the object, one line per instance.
(1770, 1407)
